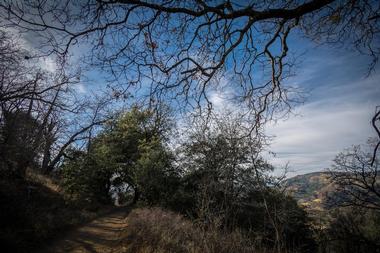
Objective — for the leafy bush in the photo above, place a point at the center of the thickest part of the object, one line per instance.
(84, 180)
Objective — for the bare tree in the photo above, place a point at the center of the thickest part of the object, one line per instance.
(41, 114)
(375, 120)
(234, 176)
(183, 49)
(229, 162)
(29, 96)
(356, 178)
(219, 152)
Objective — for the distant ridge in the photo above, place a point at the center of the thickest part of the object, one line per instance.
(311, 190)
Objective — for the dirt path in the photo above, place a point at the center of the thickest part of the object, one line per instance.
(101, 235)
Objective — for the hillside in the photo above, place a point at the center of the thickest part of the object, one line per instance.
(311, 190)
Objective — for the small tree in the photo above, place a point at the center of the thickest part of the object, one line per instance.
(222, 160)
(232, 186)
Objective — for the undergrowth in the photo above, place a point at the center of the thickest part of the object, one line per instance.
(159, 231)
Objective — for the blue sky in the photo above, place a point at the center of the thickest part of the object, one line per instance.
(340, 100)
(336, 114)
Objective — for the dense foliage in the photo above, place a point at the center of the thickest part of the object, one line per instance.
(128, 155)
(214, 176)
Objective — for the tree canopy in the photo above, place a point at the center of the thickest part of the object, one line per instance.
(183, 50)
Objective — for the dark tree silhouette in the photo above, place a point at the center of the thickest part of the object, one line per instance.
(39, 110)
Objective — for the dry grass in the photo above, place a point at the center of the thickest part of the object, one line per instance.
(34, 210)
(156, 230)
(48, 182)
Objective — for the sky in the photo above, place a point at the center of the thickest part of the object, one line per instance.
(340, 100)
(335, 115)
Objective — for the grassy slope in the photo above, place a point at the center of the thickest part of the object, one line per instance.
(33, 211)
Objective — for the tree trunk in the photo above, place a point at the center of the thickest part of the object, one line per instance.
(136, 196)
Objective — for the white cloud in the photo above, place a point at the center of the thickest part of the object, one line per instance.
(48, 64)
(80, 88)
(337, 117)
(223, 97)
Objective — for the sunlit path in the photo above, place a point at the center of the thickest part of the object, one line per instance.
(100, 235)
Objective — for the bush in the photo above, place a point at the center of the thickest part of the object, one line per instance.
(353, 230)
(156, 230)
(83, 180)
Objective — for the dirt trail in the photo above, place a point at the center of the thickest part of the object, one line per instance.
(101, 235)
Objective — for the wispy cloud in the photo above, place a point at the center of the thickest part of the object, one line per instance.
(80, 88)
(27, 43)
(48, 64)
(336, 115)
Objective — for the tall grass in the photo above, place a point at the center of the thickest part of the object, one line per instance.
(156, 230)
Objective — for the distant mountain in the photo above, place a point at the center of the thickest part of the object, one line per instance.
(311, 190)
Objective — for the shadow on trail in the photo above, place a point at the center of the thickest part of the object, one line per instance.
(100, 235)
